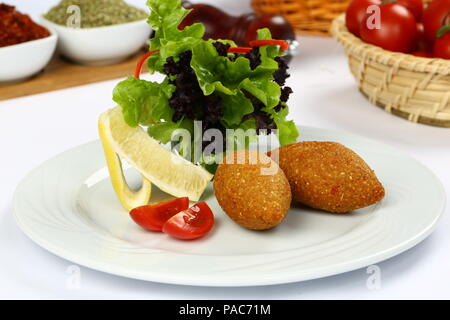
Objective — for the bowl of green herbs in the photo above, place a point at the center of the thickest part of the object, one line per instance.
(98, 32)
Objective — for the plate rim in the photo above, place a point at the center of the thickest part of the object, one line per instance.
(176, 279)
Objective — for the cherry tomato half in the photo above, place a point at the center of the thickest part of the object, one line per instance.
(153, 216)
(397, 31)
(355, 14)
(434, 16)
(190, 224)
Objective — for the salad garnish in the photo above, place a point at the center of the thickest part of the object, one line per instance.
(211, 81)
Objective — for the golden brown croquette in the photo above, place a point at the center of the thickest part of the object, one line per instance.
(252, 190)
(328, 176)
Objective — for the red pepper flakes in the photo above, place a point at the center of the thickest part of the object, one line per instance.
(334, 190)
(16, 27)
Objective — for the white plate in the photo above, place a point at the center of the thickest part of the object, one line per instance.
(67, 206)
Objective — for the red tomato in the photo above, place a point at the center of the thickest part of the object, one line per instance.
(190, 224)
(397, 30)
(442, 47)
(433, 17)
(355, 14)
(153, 216)
(422, 42)
(423, 54)
(415, 6)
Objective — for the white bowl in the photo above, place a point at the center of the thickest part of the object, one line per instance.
(22, 61)
(101, 45)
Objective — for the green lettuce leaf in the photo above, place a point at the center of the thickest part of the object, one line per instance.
(287, 130)
(217, 73)
(144, 102)
(165, 16)
(231, 79)
(235, 108)
(163, 131)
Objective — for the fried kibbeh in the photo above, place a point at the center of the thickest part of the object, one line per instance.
(252, 190)
(328, 176)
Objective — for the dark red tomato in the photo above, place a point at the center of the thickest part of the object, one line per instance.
(442, 47)
(422, 43)
(153, 216)
(397, 29)
(190, 224)
(355, 14)
(423, 54)
(415, 6)
(434, 16)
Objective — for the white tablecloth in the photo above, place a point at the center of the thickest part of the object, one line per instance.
(35, 128)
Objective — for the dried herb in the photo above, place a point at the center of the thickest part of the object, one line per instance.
(96, 13)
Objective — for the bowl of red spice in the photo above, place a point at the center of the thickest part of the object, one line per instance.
(25, 46)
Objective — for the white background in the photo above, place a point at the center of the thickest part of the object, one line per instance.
(35, 128)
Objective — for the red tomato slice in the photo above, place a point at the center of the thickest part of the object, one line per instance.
(153, 216)
(190, 224)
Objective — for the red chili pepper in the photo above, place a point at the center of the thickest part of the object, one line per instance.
(239, 50)
(137, 71)
(284, 45)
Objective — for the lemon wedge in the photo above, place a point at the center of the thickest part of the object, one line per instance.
(169, 172)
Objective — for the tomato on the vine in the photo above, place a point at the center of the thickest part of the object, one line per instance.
(442, 43)
(355, 14)
(434, 16)
(397, 30)
(423, 54)
(415, 6)
(422, 43)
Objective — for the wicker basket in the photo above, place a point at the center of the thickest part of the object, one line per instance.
(306, 16)
(417, 89)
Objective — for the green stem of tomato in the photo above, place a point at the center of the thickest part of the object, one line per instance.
(444, 29)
